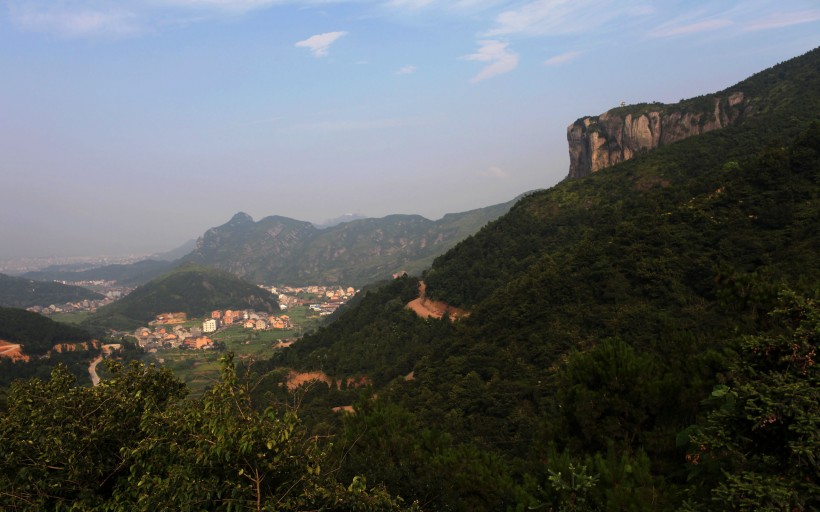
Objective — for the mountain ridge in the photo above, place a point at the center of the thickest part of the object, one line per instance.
(278, 249)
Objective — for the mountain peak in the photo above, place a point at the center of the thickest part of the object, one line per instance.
(240, 218)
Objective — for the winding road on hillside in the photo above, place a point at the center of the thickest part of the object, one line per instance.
(92, 371)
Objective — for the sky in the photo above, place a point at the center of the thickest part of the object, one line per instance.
(132, 126)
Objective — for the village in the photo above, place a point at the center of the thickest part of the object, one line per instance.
(321, 299)
(174, 330)
(168, 332)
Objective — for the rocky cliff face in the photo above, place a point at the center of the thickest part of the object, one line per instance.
(619, 134)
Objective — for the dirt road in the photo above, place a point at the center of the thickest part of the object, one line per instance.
(92, 370)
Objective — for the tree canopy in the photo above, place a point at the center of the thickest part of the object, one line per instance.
(131, 443)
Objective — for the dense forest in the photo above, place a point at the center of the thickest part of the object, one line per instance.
(642, 339)
(132, 443)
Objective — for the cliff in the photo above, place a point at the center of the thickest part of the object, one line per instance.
(621, 133)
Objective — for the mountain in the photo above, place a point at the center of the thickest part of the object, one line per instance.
(287, 251)
(189, 288)
(626, 332)
(125, 274)
(18, 292)
(619, 134)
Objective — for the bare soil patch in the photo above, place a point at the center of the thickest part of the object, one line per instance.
(12, 351)
(296, 379)
(426, 308)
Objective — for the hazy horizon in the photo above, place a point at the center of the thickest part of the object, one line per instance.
(132, 128)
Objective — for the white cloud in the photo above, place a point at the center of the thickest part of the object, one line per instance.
(411, 4)
(320, 43)
(443, 5)
(500, 59)
(562, 58)
(674, 30)
(784, 19)
(228, 4)
(560, 17)
(74, 19)
(407, 70)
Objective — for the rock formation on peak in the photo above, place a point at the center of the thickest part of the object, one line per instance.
(621, 133)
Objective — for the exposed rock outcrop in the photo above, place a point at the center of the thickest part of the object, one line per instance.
(621, 133)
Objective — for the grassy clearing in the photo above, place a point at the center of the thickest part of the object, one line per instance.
(75, 318)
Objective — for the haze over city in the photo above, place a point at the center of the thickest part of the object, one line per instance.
(133, 126)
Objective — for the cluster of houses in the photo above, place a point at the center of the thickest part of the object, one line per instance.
(250, 319)
(176, 337)
(71, 307)
(321, 299)
(166, 330)
(109, 289)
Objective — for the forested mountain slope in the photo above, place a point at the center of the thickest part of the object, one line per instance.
(281, 250)
(602, 314)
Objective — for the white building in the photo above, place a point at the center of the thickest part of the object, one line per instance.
(210, 325)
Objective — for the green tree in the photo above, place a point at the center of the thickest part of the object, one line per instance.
(758, 447)
(610, 394)
(63, 444)
(391, 446)
(220, 453)
(132, 444)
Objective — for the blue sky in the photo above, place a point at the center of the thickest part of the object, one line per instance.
(132, 126)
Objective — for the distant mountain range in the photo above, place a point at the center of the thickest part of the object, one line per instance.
(282, 250)
(126, 274)
(347, 250)
(19, 292)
